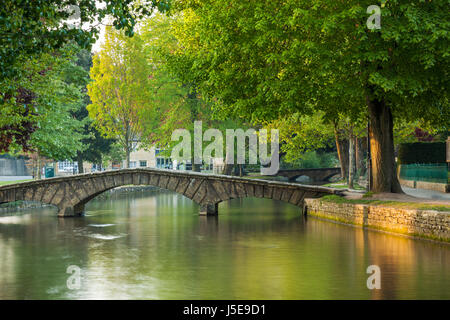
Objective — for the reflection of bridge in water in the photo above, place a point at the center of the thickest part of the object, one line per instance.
(71, 193)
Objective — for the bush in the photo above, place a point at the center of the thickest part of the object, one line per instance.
(313, 159)
(422, 152)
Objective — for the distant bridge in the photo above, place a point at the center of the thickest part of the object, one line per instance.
(70, 194)
(315, 174)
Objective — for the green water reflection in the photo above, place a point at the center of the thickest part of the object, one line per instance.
(153, 245)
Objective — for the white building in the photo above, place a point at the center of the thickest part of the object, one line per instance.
(148, 159)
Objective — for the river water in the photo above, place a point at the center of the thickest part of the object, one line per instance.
(153, 245)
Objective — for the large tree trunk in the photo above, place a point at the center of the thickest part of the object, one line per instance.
(80, 162)
(342, 150)
(383, 167)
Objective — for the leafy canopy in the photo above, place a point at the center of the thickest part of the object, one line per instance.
(262, 59)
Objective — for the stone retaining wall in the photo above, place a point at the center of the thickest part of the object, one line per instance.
(421, 223)
(440, 187)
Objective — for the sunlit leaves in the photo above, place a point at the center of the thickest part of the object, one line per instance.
(262, 59)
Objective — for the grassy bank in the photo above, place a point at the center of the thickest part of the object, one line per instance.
(343, 185)
(2, 183)
(390, 203)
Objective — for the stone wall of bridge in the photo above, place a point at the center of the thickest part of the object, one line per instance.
(70, 194)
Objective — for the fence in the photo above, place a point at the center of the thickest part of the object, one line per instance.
(435, 172)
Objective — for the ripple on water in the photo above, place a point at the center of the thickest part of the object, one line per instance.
(22, 219)
(256, 245)
(106, 236)
(53, 290)
(101, 225)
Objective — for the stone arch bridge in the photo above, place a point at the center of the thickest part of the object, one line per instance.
(315, 174)
(70, 194)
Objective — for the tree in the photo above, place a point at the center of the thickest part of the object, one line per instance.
(263, 59)
(121, 90)
(57, 133)
(96, 146)
(177, 98)
(300, 134)
(115, 154)
(30, 29)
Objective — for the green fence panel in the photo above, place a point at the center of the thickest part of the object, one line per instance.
(436, 172)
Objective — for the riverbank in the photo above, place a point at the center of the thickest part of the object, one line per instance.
(399, 214)
(5, 182)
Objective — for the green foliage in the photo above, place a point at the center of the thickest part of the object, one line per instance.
(30, 30)
(121, 90)
(302, 133)
(179, 103)
(2, 183)
(115, 154)
(57, 84)
(404, 131)
(313, 159)
(32, 27)
(262, 59)
(422, 152)
(95, 145)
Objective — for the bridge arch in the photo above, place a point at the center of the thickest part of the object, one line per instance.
(70, 194)
(315, 174)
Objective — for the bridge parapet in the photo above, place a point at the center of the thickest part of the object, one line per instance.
(71, 193)
(315, 174)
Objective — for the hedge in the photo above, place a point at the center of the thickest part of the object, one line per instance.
(422, 152)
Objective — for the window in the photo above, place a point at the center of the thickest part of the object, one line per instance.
(132, 164)
(143, 163)
(67, 166)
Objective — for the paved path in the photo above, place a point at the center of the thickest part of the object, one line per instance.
(426, 194)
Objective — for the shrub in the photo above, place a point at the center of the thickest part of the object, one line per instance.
(422, 152)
